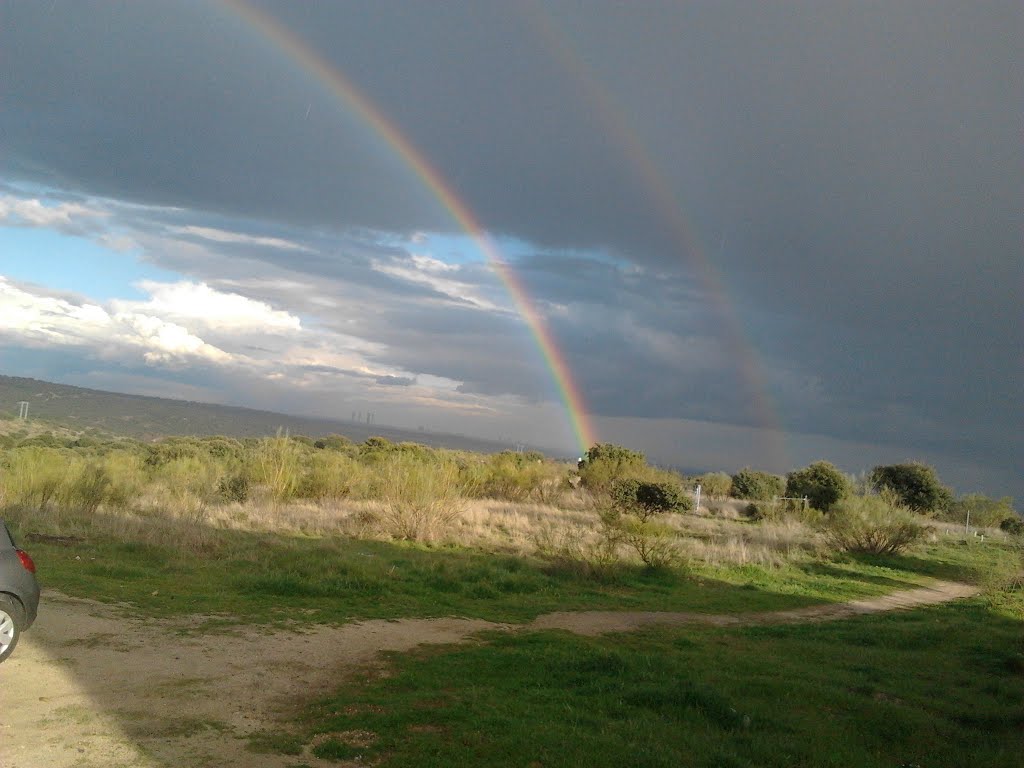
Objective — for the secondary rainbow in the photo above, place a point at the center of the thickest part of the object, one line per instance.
(342, 89)
(617, 123)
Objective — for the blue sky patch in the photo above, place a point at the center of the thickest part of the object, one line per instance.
(77, 264)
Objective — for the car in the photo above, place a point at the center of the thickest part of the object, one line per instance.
(19, 592)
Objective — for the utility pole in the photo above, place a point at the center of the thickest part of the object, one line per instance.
(23, 410)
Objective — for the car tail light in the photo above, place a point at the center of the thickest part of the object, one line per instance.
(26, 561)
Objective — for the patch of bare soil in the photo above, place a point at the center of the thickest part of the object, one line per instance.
(91, 686)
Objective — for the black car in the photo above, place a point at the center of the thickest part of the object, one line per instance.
(19, 592)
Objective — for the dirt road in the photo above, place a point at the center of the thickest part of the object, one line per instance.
(92, 686)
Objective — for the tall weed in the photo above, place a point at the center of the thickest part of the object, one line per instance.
(420, 501)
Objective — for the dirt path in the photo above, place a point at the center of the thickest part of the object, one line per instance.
(90, 686)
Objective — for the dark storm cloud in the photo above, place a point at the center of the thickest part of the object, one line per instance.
(850, 172)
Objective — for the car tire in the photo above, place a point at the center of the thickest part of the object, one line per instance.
(12, 620)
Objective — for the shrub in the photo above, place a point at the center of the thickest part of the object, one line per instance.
(985, 511)
(33, 476)
(629, 519)
(572, 550)
(1012, 525)
(334, 443)
(233, 488)
(653, 542)
(376, 444)
(87, 489)
(714, 485)
(645, 499)
(820, 482)
(515, 477)
(420, 500)
(916, 485)
(276, 464)
(605, 463)
(756, 486)
(331, 475)
(872, 524)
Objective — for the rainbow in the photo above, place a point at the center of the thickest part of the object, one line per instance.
(344, 92)
(617, 123)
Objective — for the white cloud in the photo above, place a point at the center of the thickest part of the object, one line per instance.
(426, 270)
(224, 236)
(38, 320)
(32, 212)
(166, 342)
(197, 303)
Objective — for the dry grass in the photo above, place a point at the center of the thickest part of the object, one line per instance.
(726, 541)
(186, 522)
(177, 510)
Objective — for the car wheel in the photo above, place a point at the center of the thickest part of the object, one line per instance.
(12, 619)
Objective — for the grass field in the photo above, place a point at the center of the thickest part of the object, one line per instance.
(319, 538)
(942, 686)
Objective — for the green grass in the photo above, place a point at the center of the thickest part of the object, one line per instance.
(247, 577)
(941, 686)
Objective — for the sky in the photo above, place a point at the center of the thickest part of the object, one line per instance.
(723, 233)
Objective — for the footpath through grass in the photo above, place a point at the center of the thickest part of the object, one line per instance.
(262, 578)
(939, 686)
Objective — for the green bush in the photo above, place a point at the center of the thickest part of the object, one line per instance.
(87, 488)
(756, 486)
(330, 475)
(1012, 525)
(629, 519)
(33, 476)
(421, 500)
(872, 524)
(276, 463)
(515, 477)
(820, 482)
(605, 463)
(985, 511)
(644, 499)
(714, 485)
(916, 485)
(233, 488)
(334, 443)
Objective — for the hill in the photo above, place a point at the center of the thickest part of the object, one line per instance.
(64, 407)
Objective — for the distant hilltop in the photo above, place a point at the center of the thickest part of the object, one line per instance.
(148, 418)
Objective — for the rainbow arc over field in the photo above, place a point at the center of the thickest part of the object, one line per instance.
(343, 91)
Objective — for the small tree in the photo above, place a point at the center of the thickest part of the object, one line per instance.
(605, 463)
(820, 482)
(756, 486)
(630, 518)
(916, 485)
(646, 499)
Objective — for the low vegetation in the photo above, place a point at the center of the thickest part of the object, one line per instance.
(289, 529)
(876, 525)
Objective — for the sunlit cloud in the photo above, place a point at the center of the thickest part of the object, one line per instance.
(39, 320)
(33, 212)
(238, 238)
(200, 304)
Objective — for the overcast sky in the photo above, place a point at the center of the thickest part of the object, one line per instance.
(758, 234)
